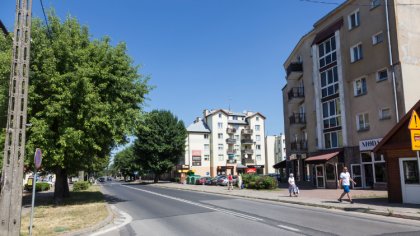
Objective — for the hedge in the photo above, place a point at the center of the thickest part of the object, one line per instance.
(41, 186)
(253, 181)
(80, 185)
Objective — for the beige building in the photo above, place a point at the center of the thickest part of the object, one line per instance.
(224, 142)
(348, 81)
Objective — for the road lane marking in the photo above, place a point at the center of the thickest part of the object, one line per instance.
(199, 204)
(288, 228)
(119, 222)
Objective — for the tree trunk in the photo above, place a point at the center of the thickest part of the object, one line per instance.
(156, 179)
(61, 187)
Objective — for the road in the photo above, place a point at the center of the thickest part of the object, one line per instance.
(159, 211)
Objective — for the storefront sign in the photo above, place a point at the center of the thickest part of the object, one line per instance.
(196, 158)
(196, 163)
(414, 127)
(196, 153)
(251, 170)
(369, 144)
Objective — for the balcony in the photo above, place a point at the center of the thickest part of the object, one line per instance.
(248, 160)
(294, 71)
(297, 118)
(230, 130)
(247, 151)
(247, 131)
(300, 146)
(297, 93)
(231, 152)
(230, 140)
(231, 161)
(247, 141)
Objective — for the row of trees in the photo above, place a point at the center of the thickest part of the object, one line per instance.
(85, 98)
(160, 142)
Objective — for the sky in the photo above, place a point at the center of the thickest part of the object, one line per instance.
(201, 54)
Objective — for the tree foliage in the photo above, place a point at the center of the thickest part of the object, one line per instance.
(85, 97)
(125, 163)
(160, 142)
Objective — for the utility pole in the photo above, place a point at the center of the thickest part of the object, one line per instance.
(14, 148)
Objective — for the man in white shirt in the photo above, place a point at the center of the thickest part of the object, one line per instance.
(345, 183)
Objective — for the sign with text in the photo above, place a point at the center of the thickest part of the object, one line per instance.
(196, 153)
(251, 170)
(415, 139)
(369, 144)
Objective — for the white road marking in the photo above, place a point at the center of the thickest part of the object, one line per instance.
(288, 228)
(200, 205)
(127, 220)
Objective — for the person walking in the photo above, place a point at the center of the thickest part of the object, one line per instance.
(292, 186)
(240, 181)
(230, 182)
(345, 184)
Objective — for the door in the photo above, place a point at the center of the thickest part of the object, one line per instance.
(368, 175)
(356, 174)
(410, 180)
(320, 176)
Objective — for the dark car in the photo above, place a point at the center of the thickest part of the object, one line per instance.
(215, 179)
(204, 181)
(101, 179)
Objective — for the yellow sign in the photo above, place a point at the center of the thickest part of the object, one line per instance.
(30, 182)
(415, 140)
(414, 121)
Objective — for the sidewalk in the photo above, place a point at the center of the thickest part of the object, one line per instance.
(365, 201)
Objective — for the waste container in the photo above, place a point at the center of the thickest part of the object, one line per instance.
(195, 178)
(189, 179)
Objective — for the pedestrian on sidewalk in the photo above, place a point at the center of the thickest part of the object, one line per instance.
(345, 184)
(292, 186)
(230, 182)
(240, 181)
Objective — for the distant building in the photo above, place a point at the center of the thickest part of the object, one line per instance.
(275, 151)
(348, 81)
(224, 142)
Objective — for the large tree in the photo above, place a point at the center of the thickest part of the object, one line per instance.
(125, 163)
(160, 142)
(85, 97)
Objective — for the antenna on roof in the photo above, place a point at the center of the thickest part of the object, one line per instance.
(229, 100)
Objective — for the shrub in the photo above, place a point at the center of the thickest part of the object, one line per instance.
(177, 179)
(253, 181)
(81, 185)
(41, 186)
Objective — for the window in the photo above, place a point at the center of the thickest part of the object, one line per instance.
(258, 138)
(220, 115)
(235, 118)
(330, 171)
(220, 125)
(206, 146)
(329, 82)
(331, 113)
(360, 87)
(382, 75)
(377, 38)
(354, 20)
(257, 118)
(333, 139)
(362, 121)
(206, 136)
(206, 157)
(221, 157)
(220, 135)
(385, 114)
(258, 147)
(237, 137)
(220, 147)
(257, 127)
(375, 3)
(356, 53)
(411, 172)
(258, 157)
(327, 52)
(366, 157)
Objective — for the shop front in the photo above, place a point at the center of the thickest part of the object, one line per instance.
(324, 169)
(255, 169)
(371, 172)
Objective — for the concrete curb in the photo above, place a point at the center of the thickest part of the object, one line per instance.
(95, 227)
(367, 211)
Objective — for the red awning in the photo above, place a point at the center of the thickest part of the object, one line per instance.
(321, 158)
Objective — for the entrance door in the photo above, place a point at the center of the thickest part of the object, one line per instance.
(410, 180)
(356, 174)
(368, 172)
(320, 176)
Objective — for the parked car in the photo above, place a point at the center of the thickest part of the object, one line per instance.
(223, 181)
(204, 180)
(101, 179)
(215, 179)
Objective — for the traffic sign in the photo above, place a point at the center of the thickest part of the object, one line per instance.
(38, 158)
(415, 140)
(414, 121)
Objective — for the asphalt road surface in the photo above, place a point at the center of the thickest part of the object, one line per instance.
(159, 211)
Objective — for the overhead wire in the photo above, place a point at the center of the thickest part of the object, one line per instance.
(46, 20)
(355, 4)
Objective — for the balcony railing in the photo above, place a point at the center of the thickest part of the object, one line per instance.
(248, 160)
(247, 151)
(296, 92)
(247, 141)
(247, 131)
(297, 118)
(231, 141)
(300, 146)
(230, 130)
(231, 152)
(231, 161)
(294, 70)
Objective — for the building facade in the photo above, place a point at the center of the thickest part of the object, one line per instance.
(349, 80)
(224, 142)
(275, 152)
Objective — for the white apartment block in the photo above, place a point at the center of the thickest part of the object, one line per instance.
(226, 142)
(275, 151)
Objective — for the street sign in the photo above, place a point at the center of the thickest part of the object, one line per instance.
(414, 121)
(38, 158)
(415, 140)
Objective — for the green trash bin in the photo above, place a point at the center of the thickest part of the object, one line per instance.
(195, 178)
(189, 179)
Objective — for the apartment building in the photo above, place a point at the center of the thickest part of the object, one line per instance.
(349, 80)
(275, 152)
(224, 142)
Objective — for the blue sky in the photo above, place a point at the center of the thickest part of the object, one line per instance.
(201, 54)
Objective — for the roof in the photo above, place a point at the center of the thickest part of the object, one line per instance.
(3, 28)
(322, 158)
(217, 111)
(198, 127)
(403, 123)
(257, 113)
